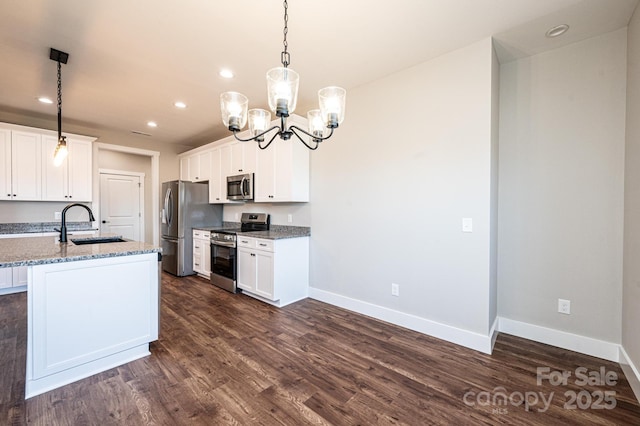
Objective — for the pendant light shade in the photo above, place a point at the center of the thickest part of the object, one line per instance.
(234, 110)
(61, 152)
(332, 102)
(282, 90)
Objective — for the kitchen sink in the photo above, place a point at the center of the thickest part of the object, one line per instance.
(100, 240)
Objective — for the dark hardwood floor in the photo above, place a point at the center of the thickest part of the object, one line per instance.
(229, 359)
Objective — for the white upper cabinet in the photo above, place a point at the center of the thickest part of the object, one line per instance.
(26, 166)
(5, 162)
(79, 163)
(196, 167)
(281, 171)
(215, 181)
(29, 174)
(71, 181)
(243, 157)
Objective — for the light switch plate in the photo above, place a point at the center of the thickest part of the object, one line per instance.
(467, 224)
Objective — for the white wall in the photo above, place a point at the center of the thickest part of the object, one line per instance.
(391, 187)
(561, 187)
(631, 290)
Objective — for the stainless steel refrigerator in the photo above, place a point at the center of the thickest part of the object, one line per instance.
(186, 206)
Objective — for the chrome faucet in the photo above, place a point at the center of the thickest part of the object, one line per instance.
(63, 227)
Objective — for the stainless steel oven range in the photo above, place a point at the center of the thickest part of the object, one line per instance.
(224, 251)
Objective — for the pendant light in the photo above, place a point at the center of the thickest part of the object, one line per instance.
(61, 148)
(282, 91)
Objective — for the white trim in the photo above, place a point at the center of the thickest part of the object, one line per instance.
(140, 176)
(446, 332)
(630, 371)
(155, 180)
(121, 172)
(493, 333)
(562, 339)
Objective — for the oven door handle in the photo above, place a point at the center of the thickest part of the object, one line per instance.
(223, 244)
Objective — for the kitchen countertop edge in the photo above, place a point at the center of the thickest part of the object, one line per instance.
(277, 232)
(42, 250)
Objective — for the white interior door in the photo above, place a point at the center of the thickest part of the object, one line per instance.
(120, 210)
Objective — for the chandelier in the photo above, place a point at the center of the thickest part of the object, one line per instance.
(61, 148)
(282, 92)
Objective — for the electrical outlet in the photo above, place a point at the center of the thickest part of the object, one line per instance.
(237, 217)
(290, 218)
(57, 215)
(564, 306)
(467, 224)
(395, 289)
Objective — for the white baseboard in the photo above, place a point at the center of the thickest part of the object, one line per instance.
(573, 342)
(449, 333)
(631, 372)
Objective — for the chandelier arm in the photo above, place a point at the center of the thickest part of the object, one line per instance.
(310, 135)
(312, 148)
(270, 140)
(235, 133)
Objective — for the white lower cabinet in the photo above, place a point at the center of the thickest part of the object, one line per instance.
(202, 253)
(274, 271)
(13, 280)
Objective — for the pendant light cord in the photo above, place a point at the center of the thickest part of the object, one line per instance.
(59, 101)
(285, 58)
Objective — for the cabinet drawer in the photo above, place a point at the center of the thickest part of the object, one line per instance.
(198, 234)
(246, 242)
(255, 243)
(266, 245)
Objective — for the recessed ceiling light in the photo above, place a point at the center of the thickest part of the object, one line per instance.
(226, 73)
(556, 31)
(179, 104)
(45, 100)
(152, 124)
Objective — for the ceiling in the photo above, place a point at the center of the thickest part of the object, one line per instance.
(129, 61)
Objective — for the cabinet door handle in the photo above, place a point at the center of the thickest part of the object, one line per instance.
(253, 254)
(263, 244)
(197, 264)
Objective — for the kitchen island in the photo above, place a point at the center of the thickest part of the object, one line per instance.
(91, 307)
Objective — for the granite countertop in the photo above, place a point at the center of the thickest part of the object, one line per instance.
(276, 232)
(41, 250)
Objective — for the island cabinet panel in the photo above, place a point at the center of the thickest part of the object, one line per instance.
(87, 316)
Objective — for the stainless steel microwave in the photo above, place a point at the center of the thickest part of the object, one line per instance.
(240, 187)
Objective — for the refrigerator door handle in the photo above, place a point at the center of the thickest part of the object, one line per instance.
(168, 206)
